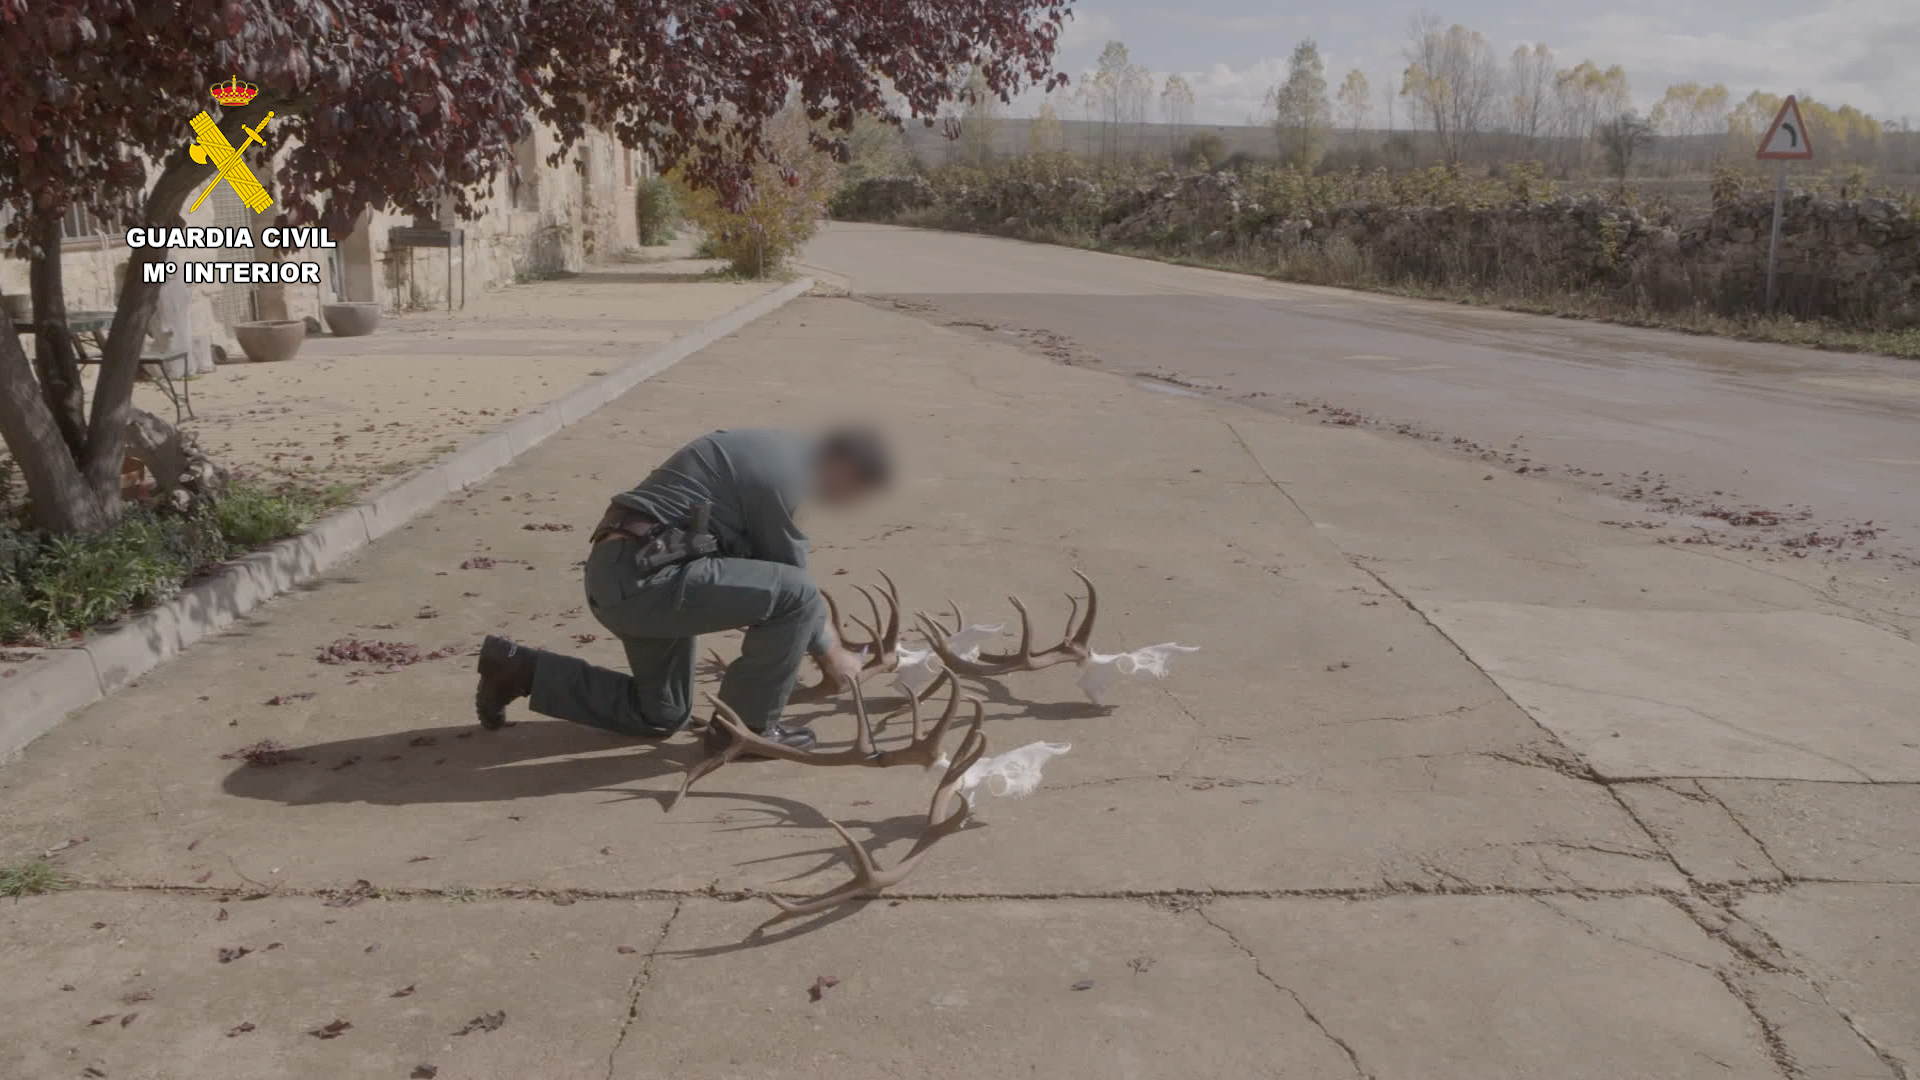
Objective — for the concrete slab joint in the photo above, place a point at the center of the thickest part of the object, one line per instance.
(51, 687)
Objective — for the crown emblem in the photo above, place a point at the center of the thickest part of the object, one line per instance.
(233, 92)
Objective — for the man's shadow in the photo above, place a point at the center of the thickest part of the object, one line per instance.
(463, 764)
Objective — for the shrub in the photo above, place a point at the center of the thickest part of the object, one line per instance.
(52, 587)
(655, 211)
(250, 517)
(788, 194)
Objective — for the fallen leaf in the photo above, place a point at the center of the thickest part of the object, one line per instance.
(137, 997)
(585, 639)
(261, 755)
(484, 1022)
(421, 858)
(272, 946)
(193, 845)
(421, 740)
(222, 916)
(405, 991)
(1083, 984)
(351, 895)
(626, 950)
(129, 1018)
(98, 926)
(240, 1030)
(424, 1072)
(228, 956)
(203, 878)
(64, 845)
(90, 1071)
(820, 987)
(288, 699)
(371, 947)
(98, 1020)
(331, 1031)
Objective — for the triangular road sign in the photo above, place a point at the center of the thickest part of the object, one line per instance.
(1787, 138)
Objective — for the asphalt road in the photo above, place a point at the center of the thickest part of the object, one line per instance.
(1828, 441)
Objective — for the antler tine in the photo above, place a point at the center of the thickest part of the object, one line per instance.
(959, 620)
(1073, 616)
(868, 879)
(1085, 633)
(892, 635)
(921, 751)
(862, 734)
(873, 631)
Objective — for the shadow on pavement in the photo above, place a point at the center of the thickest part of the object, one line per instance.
(457, 765)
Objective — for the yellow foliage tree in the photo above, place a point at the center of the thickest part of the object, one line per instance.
(781, 210)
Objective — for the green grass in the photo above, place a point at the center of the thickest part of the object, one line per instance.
(31, 878)
(53, 587)
(462, 894)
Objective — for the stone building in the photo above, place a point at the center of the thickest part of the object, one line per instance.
(538, 220)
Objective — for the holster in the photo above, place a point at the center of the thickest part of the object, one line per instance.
(661, 546)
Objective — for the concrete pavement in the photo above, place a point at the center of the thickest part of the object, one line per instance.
(1714, 425)
(1334, 843)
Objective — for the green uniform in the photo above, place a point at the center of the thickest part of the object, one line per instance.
(754, 481)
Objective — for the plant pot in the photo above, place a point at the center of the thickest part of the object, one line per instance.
(271, 341)
(352, 319)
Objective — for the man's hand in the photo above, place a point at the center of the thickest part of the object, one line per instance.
(840, 664)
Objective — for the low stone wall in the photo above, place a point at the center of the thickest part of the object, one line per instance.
(1856, 261)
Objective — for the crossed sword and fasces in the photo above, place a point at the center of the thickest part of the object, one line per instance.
(213, 146)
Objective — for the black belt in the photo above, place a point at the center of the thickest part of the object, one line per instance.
(661, 546)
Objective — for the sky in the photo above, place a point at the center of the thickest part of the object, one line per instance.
(1860, 52)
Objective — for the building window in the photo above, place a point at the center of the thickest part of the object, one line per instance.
(523, 180)
(80, 225)
(234, 303)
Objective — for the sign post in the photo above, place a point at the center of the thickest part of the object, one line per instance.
(1785, 140)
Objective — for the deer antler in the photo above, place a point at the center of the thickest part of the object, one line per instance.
(868, 879)
(1072, 648)
(883, 645)
(924, 751)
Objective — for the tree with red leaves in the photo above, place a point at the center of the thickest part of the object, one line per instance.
(403, 104)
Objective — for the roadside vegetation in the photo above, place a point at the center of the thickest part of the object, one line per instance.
(56, 586)
(1522, 183)
(758, 230)
(30, 877)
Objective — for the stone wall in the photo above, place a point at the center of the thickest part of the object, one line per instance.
(1855, 261)
(539, 221)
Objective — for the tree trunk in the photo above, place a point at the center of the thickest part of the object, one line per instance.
(120, 363)
(54, 359)
(62, 501)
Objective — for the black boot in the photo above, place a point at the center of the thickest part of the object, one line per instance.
(717, 738)
(506, 675)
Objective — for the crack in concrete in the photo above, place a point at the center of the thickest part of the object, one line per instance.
(1742, 826)
(1769, 1034)
(638, 986)
(1601, 931)
(1259, 969)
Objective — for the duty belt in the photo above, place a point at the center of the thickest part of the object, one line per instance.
(661, 546)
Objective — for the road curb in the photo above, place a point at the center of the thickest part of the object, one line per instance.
(46, 690)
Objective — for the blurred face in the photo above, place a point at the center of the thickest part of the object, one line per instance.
(839, 484)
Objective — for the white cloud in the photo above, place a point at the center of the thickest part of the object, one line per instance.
(1087, 29)
(1856, 51)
